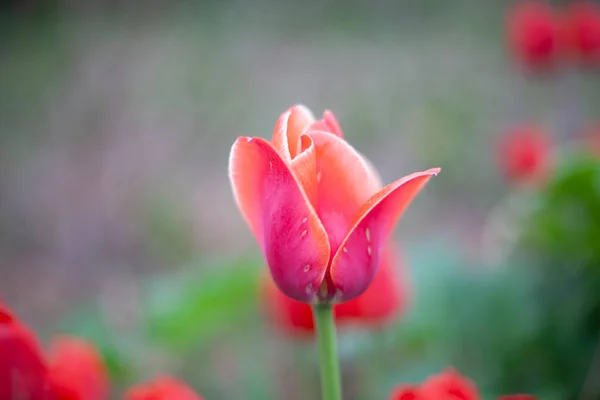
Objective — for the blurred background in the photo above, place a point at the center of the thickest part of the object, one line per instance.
(117, 221)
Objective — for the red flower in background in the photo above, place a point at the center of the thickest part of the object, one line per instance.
(161, 388)
(448, 385)
(74, 371)
(77, 371)
(524, 154)
(23, 374)
(534, 34)
(406, 392)
(583, 31)
(316, 206)
(384, 299)
(592, 139)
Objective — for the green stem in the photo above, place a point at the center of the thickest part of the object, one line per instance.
(331, 388)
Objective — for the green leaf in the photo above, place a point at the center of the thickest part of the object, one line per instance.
(566, 223)
(186, 308)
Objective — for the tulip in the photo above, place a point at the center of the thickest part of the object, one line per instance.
(316, 206)
(583, 29)
(161, 388)
(525, 154)
(406, 392)
(77, 370)
(384, 299)
(534, 34)
(320, 216)
(448, 385)
(23, 373)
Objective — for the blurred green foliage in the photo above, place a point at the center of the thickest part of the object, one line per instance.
(565, 226)
(561, 240)
(186, 308)
(464, 317)
(182, 312)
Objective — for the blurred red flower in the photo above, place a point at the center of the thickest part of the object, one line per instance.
(23, 374)
(161, 388)
(406, 392)
(77, 371)
(73, 371)
(534, 34)
(316, 206)
(583, 31)
(448, 385)
(524, 154)
(384, 299)
(592, 139)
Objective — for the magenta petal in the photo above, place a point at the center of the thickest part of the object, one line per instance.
(357, 260)
(281, 217)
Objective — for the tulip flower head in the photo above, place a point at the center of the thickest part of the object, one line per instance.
(448, 385)
(76, 370)
(525, 154)
(534, 34)
(406, 392)
(383, 300)
(316, 206)
(583, 32)
(23, 374)
(161, 388)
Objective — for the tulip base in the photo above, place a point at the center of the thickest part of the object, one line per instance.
(331, 388)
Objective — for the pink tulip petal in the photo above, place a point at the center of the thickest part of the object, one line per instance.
(328, 123)
(289, 127)
(281, 217)
(345, 181)
(304, 167)
(385, 298)
(333, 123)
(357, 260)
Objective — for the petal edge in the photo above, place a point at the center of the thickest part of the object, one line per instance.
(357, 260)
(288, 128)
